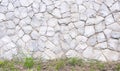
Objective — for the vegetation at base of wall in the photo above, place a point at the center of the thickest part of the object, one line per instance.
(28, 63)
(69, 64)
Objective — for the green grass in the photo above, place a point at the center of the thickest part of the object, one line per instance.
(75, 61)
(59, 64)
(29, 62)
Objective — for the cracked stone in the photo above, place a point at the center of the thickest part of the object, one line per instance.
(99, 27)
(42, 7)
(109, 20)
(10, 7)
(27, 29)
(114, 27)
(26, 38)
(64, 7)
(113, 44)
(115, 35)
(72, 53)
(102, 45)
(115, 7)
(56, 13)
(2, 17)
(34, 35)
(89, 30)
(26, 2)
(43, 30)
(111, 55)
(101, 37)
(52, 22)
(92, 40)
(50, 31)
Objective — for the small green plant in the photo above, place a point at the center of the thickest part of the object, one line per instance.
(1, 63)
(39, 68)
(92, 69)
(73, 61)
(59, 64)
(100, 65)
(29, 62)
(117, 67)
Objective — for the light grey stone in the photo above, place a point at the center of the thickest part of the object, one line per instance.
(96, 6)
(88, 53)
(50, 54)
(99, 27)
(79, 24)
(107, 33)
(115, 34)
(52, 22)
(42, 7)
(92, 40)
(101, 37)
(10, 7)
(2, 17)
(50, 31)
(34, 34)
(99, 1)
(73, 44)
(10, 32)
(35, 22)
(17, 3)
(73, 33)
(102, 58)
(81, 47)
(64, 21)
(79, 1)
(113, 44)
(109, 3)
(83, 17)
(111, 55)
(43, 30)
(26, 38)
(32, 45)
(102, 45)
(109, 20)
(90, 12)
(75, 17)
(27, 29)
(96, 20)
(114, 27)
(104, 11)
(72, 53)
(56, 13)
(89, 30)
(64, 7)
(26, 2)
(4, 2)
(6, 39)
(10, 15)
(9, 54)
(80, 38)
(41, 45)
(47, 2)
(20, 12)
(115, 7)
(10, 25)
(74, 8)
(3, 9)
(19, 42)
(67, 38)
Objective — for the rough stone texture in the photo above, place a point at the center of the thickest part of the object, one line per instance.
(51, 29)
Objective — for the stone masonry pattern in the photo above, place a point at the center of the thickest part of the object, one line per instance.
(50, 29)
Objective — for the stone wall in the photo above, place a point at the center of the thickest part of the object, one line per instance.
(52, 29)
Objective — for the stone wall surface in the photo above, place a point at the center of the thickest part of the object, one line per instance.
(49, 29)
